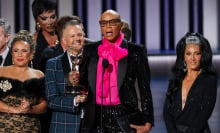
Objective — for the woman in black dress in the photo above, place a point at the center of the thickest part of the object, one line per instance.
(22, 96)
(192, 90)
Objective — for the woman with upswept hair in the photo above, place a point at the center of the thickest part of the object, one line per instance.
(192, 90)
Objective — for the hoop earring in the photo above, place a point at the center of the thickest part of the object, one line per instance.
(38, 27)
(185, 66)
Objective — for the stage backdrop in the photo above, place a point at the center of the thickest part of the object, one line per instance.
(157, 24)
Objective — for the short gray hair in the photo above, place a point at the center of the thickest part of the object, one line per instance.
(6, 26)
(72, 22)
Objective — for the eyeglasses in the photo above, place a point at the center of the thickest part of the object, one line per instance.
(112, 22)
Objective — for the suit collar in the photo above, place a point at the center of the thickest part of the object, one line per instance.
(122, 66)
(65, 63)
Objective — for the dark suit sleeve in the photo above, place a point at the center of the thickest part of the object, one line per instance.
(143, 77)
(55, 84)
(169, 120)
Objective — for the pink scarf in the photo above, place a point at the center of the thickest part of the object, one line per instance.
(113, 53)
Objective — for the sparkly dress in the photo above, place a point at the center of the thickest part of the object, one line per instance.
(12, 91)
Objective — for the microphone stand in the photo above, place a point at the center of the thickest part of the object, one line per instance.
(103, 71)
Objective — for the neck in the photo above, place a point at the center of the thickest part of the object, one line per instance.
(193, 74)
(20, 68)
(75, 52)
(49, 33)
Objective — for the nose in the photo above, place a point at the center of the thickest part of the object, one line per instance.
(108, 24)
(193, 57)
(19, 53)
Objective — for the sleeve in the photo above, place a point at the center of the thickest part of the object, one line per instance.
(143, 77)
(54, 89)
(168, 119)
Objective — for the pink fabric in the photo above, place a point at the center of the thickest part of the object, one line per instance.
(113, 53)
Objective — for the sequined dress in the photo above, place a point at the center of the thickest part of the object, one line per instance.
(12, 91)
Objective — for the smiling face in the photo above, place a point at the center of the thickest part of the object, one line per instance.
(192, 56)
(47, 21)
(73, 38)
(110, 24)
(21, 53)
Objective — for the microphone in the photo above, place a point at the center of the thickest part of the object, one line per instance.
(105, 64)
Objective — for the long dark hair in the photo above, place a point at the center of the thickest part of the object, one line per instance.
(178, 67)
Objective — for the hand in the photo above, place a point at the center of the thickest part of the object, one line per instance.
(23, 108)
(142, 128)
(81, 98)
(74, 77)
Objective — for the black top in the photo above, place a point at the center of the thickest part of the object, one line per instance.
(30, 89)
(48, 53)
(199, 105)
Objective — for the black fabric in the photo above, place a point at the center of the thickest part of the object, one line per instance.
(1, 59)
(28, 89)
(199, 106)
(74, 57)
(41, 45)
(8, 59)
(48, 53)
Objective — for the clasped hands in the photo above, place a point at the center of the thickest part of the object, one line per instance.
(23, 108)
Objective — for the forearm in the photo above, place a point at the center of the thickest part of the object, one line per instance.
(4, 107)
(39, 108)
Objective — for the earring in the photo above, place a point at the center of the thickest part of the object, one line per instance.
(38, 27)
(184, 66)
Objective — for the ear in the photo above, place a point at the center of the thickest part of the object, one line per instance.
(63, 40)
(8, 38)
(122, 25)
(32, 55)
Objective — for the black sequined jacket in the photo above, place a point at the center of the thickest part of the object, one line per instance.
(134, 66)
(198, 108)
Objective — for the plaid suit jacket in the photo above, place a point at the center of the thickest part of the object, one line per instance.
(65, 116)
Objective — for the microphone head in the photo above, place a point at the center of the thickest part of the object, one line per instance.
(105, 63)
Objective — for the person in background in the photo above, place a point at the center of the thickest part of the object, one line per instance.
(5, 31)
(126, 30)
(44, 12)
(112, 104)
(22, 96)
(63, 74)
(54, 51)
(192, 90)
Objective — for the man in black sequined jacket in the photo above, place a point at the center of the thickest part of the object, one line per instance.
(133, 65)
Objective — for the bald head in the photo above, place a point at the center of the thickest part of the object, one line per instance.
(112, 13)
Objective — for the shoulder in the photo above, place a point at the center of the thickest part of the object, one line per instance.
(37, 73)
(92, 45)
(91, 48)
(5, 70)
(135, 46)
(209, 77)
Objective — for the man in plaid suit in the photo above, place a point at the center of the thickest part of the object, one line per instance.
(67, 108)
